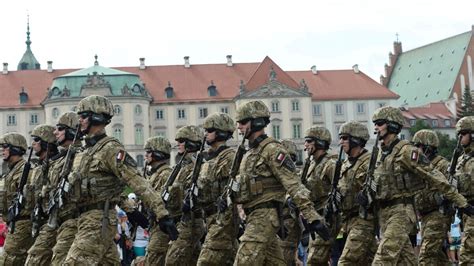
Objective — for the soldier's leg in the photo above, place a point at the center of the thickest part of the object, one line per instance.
(434, 227)
(360, 245)
(185, 250)
(157, 247)
(40, 253)
(65, 236)
(466, 256)
(289, 245)
(259, 243)
(17, 244)
(89, 246)
(319, 251)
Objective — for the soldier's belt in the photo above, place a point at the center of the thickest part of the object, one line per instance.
(95, 206)
(264, 205)
(392, 202)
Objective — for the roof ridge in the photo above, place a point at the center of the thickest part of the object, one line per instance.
(436, 42)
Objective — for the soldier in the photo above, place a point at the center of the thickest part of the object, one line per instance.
(267, 173)
(360, 245)
(44, 146)
(464, 175)
(157, 171)
(185, 250)
(16, 244)
(220, 245)
(318, 182)
(401, 172)
(98, 177)
(435, 221)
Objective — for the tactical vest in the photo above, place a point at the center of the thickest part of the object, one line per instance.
(429, 200)
(393, 180)
(12, 181)
(158, 176)
(256, 178)
(92, 181)
(464, 171)
(352, 178)
(178, 188)
(316, 183)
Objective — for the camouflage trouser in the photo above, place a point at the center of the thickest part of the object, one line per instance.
(319, 251)
(90, 247)
(66, 233)
(17, 244)
(289, 245)
(259, 243)
(185, 250)
(40, 253)
(157, 247)
(360, 244)
(466, 256)
(220, 245)
(395, 247)
(434, 227)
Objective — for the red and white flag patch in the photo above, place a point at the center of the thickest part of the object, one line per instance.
(281, 157)
(120, 156)
(414, 155)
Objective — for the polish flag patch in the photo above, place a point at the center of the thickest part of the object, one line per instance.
(281, 157)
(414, 155)
(120, 156)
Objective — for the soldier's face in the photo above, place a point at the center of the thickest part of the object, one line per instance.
(60, 133)
(344, 142)
(5, 151)
(210, 135)
(243, 126)
(148, 157)
(84, 122)
(380, 126)
(36, 144)
(181, 147)
(465, 137)
(309, 146)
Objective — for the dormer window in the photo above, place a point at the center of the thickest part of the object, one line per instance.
(169, 91)
(24, 66)
(23, 96)
(212, 90)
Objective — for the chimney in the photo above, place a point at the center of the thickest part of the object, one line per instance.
(356, 68)
(314, 70)
(397, 48)
(142, 63)
(229, 60)
(391, 58)
(50, 66)
(186, 62)
(5, 68)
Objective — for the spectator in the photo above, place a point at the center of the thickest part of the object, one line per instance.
(454, 239)
(123, 239)
(3, 233)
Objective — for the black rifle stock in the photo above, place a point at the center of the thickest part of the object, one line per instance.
(369, 188)
(17, 203)
(334, 199)
(38, 215)
(447, 205)
(193, 191)
(165, 195)
(304, 173)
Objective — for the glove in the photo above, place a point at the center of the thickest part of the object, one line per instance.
(136, 217)
(291, 204)
(469, 210)
(167, 226)
(362, 199)
(221, 205)
(186, 206)
(320, 229)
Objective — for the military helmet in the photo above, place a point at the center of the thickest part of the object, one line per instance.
(96, 104)
(252, 110)
(220, 121)
(45, 132)
(158, 144)
(355, 129)
(192, 133)
(69, 119)
(290, 146)
(389, 113)
(465, 124)
(14, 139)
(426, 137)
(317, 132)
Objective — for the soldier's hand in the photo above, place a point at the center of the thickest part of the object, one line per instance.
(320, 229)
(362, 199)
(469, 210)
(186, 206)
(221, 205)
(291, 204)
(167, 226)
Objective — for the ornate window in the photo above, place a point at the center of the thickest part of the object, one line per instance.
(118, 132)
(138, 135)
(55, 112)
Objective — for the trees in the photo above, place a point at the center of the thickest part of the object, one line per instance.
(467, 107)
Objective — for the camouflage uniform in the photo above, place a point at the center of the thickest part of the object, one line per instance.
(220, 245)
(157, 173)
(40, 253)
(18, 243)
(267, 173)
(185, 250)
(318, 182)
(401, 172)
(434, 224)
(360, 245)
(98, 176)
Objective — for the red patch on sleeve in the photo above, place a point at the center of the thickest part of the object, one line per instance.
(120, 156)
(414, 155)
(281, 157)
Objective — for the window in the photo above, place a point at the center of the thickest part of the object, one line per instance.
(434, 123)
(295, 106)
(55, 112)
(299, 157)
(33, 119)
(140, 160)
(381, 104)
(276, 131)
(402, 136)
(118, 133)
(225, 109)
(447, 122)
(11, 120)
(169, 92)
(181, 114)
(160, 114)
(296, 131)
(160, 133)
(275, 106)
(316, 109)
(412, 122)
(339, 109)
(138, 135)
(138, 109)
(202, 112)
(117, 110)
(361, 108)
(211, 90)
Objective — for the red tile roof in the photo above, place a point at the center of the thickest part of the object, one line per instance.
(262, 74)
(433, 111)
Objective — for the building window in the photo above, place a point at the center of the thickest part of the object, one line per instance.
(296, 131)
(412, 122)
(339, 109)
(316, 109)
(33, 119)
(160, 133)
(276, 131)
(202, 112)
(55, 113)
(138, 109)
(434, 123)
(11, 120)
(160, 114)
(299, 157)
(169, 92)
(361, 108)
(117, 110)
(212, 91)
(382, 104)
(225, 109)
(447, 122)
(138, 135)
(275, 106)
(402, 136)
(181, 114)
(118, 133)
(140, 160)
(295, 106)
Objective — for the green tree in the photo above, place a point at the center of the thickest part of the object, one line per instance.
(446, 145)
(467, 108)
(419, 125)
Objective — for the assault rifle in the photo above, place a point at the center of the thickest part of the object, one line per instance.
(304, 173)
(38, 215)
(57, 200)
(447, 206)
(193, 191)
(369, 188)
(334, 200)
(17, 203)
(165, 195)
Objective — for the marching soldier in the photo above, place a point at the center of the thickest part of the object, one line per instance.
(98, 177)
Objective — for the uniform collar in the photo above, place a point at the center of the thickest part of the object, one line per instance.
(257, 141)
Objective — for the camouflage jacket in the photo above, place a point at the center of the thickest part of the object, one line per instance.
(319, 178)
(157, 175)
(12, 181)
(465, 173)
(181, 183)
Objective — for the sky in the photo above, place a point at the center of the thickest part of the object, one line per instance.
(332, 34)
